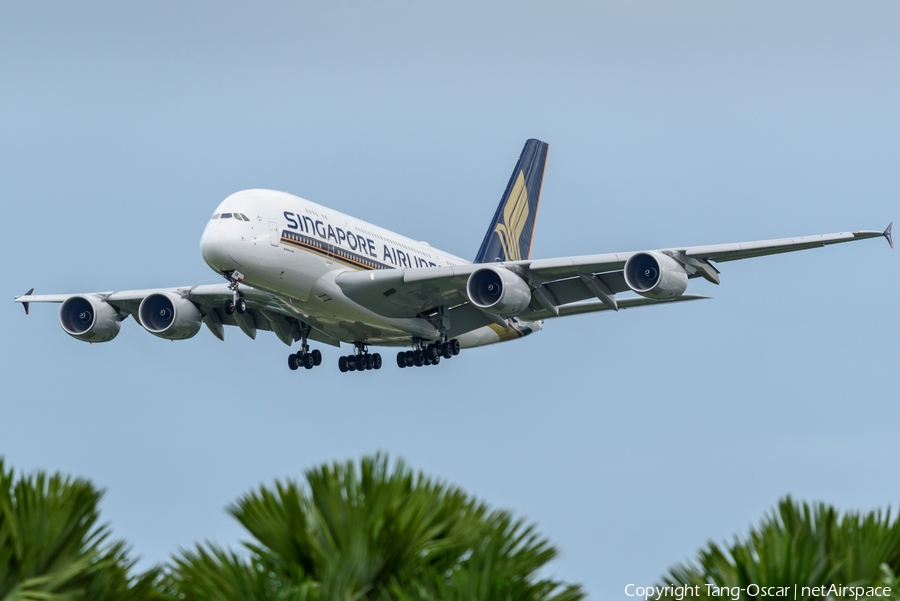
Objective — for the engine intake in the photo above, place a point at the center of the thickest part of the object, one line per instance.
(498, 290)
(655, 275)
(89, 318)
(169, 316)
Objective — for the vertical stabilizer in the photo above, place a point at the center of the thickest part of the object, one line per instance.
(510, 234)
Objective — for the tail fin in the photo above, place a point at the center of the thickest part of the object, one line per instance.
(510, 234)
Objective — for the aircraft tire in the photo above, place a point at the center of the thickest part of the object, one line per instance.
(419, 358)
(351, 363)
(410, 358)
(241, 306)
(401, 359)
(454, 346)
(229, 307)
(376, 361)
(317, 357)
(342, 364)
(445, 350)
(436, 360)
(292, 362)
(308, 361)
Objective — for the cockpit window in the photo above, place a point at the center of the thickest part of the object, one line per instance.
(216, 216)
(226, 215)
(245, 217)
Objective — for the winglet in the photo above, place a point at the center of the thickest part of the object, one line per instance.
(26, 305)
(887, 234)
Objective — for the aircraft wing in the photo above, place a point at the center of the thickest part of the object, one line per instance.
(559, 282)
(264, 311)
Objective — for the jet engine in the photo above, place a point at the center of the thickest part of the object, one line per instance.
(498, 290)
(169, 316)
(655, 275)
(89, 318)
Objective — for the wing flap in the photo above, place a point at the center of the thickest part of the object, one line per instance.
(595, 306)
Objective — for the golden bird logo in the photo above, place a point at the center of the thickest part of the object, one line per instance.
(515, 214)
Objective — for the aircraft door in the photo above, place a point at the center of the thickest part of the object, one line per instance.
(274, 237)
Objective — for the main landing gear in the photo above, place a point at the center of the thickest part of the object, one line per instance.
(429, 354)
(304, 357)
(361, 361)
(307, 359)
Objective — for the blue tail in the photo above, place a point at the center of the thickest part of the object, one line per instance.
(510, 234)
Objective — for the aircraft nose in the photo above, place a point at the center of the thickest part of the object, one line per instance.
(213, 248)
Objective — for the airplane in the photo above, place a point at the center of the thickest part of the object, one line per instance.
(310, 273)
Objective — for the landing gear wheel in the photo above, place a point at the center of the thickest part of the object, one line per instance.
(410, 358)
(436, 360)
(376, 361)
(292, 362)
(454, 346)
(370, 362)
(431, 352)
(317, 357)
(419, 358)
(229, 307)
(240, 306)
(342, 364)
(446, 353)
(401, 359)
(351, 363)
(308, 361)
(427, 359)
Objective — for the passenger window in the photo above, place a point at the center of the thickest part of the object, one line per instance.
(226, 215)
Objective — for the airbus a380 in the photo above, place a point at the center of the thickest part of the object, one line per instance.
(310, 273)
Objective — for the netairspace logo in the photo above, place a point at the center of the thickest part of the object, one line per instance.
(833, 591)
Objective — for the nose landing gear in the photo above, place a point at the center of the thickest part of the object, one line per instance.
(237, 303)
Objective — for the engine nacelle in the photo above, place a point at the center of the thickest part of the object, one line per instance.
(89, 318)
(169, 316)
(498, 290)
(655, 275)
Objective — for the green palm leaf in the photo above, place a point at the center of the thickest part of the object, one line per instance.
(371, 531)
(52, 547)
(802, 545)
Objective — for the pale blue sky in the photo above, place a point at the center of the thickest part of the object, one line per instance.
(631, 438)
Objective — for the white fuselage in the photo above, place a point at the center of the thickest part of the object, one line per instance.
(294, 249)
